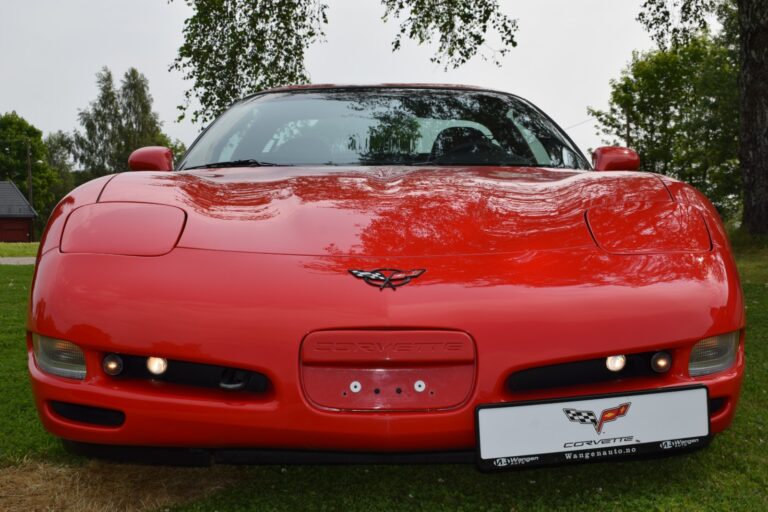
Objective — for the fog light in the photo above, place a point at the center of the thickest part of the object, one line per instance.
(714, 354)
(58, 357)
(157, 365)
(661, 362)
(615, 363)
(112, 364)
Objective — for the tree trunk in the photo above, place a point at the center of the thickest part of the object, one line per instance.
(753, 30)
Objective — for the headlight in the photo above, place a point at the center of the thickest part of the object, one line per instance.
(713, 354)
(648, 228)
(59, 357)
(132, 229)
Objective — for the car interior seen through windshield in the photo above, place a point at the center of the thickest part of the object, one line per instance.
(385, 126)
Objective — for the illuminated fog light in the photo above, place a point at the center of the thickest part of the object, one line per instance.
(615, 363)
(714, 354)
(112, 364)
(58, 357)
(661, 362)
(157, 365)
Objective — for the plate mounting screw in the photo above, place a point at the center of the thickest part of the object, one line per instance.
(419, 386)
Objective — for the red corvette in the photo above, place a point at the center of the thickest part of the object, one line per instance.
(387, 273)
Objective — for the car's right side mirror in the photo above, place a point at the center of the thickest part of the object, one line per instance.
(614, 158)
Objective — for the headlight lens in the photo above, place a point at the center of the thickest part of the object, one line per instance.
(131, 229)
(713, 354)
(648, 228)
(59, 357)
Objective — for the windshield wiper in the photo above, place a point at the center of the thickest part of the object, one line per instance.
(521, 162)
(250, 162)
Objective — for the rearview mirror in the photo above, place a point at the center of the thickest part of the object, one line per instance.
(151, 158)
(614, 158)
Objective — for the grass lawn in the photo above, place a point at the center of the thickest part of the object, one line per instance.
(732, 474)
(18, 249)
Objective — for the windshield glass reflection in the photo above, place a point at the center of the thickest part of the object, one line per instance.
(384, 127)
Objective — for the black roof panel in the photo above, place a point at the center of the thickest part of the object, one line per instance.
(13, 203)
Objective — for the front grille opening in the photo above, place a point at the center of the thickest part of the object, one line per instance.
(88, 414)
(579, 373)
(196, 374)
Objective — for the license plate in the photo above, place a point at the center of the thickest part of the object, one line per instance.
(591, 428)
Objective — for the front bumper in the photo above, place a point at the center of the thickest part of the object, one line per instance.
(254, 311)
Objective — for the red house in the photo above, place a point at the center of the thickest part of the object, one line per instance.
(16, 214)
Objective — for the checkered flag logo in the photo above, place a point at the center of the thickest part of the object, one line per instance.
(362, 274)
(590, 418)
(583, 417)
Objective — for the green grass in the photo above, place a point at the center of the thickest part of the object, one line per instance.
(21, 434)
(731, 474)
(20, 249)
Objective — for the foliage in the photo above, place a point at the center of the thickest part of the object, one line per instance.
(139, 126)
(21, 144)
(236, 47)
(97, 146)
(460, 26)
(679, 109)
(233, 47)
(675, 22)
(60, 147)
(117, 122)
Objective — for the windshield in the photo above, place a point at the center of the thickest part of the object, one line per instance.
(384, 127)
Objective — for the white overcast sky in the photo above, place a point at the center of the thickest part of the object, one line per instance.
(50, 51)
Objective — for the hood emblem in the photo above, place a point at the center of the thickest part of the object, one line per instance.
(387, 277)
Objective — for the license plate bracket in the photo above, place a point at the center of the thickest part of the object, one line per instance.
(586, 428)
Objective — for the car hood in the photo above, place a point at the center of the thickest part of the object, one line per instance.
(385, 211)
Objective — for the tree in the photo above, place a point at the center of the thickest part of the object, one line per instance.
(59, 156)
(672, 22)
(679, 109)
(97, 148)
(236, 47)
(21, 146)
(116, 123)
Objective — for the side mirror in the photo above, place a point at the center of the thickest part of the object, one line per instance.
(615, 159)
(151, 158)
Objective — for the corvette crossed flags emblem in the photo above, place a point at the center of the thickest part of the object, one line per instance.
(590, 418)
(387, 277)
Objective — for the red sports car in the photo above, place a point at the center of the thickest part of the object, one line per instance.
(387, 273)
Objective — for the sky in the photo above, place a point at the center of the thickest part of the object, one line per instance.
(568, 50)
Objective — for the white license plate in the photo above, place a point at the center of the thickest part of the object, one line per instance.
(591, 428)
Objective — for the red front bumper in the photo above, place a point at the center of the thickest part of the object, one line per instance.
(253, 311)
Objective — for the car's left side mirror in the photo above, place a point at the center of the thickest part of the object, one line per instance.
(151, 158)
(615, 158)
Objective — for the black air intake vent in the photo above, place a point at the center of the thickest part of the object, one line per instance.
(196, 374)
(88, 414)
(579, 373)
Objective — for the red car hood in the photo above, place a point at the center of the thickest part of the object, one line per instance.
(385, 211)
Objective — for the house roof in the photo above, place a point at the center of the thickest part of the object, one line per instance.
(13, 204)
